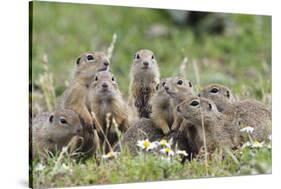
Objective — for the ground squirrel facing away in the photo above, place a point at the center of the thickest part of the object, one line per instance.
(74, 98)
(142, 129)
(220, 130)
(144, 77)
(52, 131)
(107, 104)
(249, 112)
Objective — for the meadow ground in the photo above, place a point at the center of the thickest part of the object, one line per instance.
(240, 58)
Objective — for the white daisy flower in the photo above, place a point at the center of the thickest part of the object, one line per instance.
(147, 145)
(247, 144)
(257, 144)
(167, 151)
(40, 167)
(247, 129)
(110, 155)
(165, 143)
(181, 152)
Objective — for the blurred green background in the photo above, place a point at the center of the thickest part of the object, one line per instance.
(239, 57)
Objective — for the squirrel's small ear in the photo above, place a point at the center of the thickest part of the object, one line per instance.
(78, 61)
(51, 118)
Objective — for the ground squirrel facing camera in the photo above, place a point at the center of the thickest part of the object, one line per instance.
(144, 77)
(170, 92)
(52, 131)
(107, 104)
(249, 112)
(220, 130)
(74, 98)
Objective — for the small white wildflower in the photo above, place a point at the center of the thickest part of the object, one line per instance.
(147, 145)
(165, 158)
(181, 152)
(167, 151)
(110, 155)
(165, 143)
(269, 137)
(247, 144)
(247, 129)
(65, 167)
(257, 144)
(40, 167)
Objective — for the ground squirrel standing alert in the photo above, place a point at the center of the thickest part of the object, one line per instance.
(170, 92)
(249, 112)
(52, 131)
(74, 98)
(144, 77)
(107, 104)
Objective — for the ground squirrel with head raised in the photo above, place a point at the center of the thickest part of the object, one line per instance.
(74, 98)
(170, 92)
(52, 131)
(107, 104)
(220, 130)
(249, 112)
(144, 77)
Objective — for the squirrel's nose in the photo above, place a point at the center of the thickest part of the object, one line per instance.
(106, 63)
(145, 63)
(78, 130)
(104, 85)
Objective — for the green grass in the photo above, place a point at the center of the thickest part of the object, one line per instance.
(239, 58)
(150, 167)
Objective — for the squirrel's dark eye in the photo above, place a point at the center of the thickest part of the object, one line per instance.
(210, 106)
(137, 56)
(163, 84)
(152, 57)
(194, 103)
(189, 83)
(90, 57)
(113, 79)
(78, 60)
(228, 94)
(199, 95)
(96, 78)
(180, 82)
(214, 90)
(157, 86)
(63, 121)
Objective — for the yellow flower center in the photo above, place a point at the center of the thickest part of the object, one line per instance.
(146, 144)
(167, 150)
(163, 142)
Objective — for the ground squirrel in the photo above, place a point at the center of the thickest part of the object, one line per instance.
(52, 131)
(170, 92)
(91, 62)
(220, 130)
(107, 104)
(142, 129)
(144, 77)
(75, 96)
(219, 94)
(249, 112)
